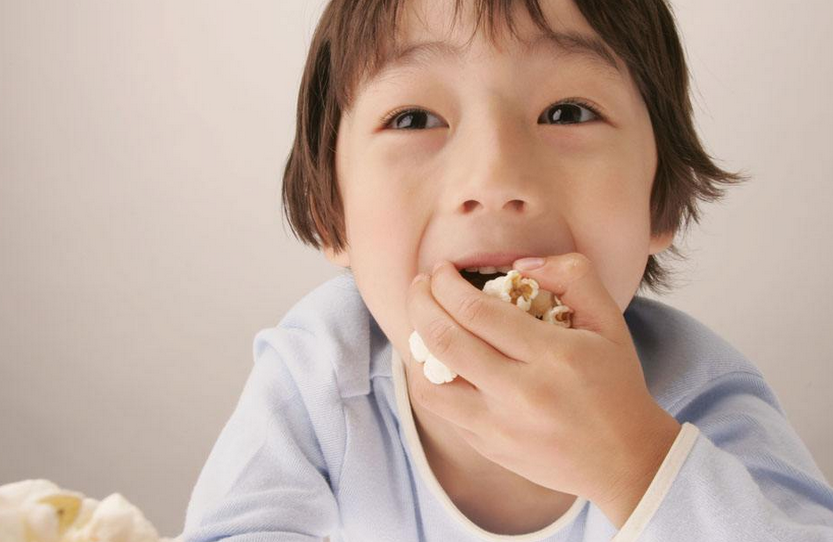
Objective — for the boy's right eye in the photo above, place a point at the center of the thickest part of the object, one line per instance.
(409, 119)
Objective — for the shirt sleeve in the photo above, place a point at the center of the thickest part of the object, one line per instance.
(265, 479)
(736, 472)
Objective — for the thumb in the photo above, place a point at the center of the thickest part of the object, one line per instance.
(573, 278)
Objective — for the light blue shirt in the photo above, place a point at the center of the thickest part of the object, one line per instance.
(322, 443)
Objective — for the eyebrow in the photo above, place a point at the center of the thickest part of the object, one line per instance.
(565, 43)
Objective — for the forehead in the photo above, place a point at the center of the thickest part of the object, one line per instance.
(428, 32)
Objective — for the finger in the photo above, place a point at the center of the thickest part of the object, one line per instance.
(573, 278)
(461, 351)
(458, 401)
(506, 327)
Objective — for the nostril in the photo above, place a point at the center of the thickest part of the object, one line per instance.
(515, 204)
(470, 205)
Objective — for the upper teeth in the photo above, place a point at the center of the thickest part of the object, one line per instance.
(489, 270)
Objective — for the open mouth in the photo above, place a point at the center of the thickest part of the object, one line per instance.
(478, 280)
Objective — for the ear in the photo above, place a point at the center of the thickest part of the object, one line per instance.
(341, 259)
(660, 242)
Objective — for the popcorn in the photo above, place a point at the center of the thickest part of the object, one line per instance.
(40, 511)
(434, 370)
(513, 288)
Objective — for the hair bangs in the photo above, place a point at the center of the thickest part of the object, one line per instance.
(370, 34)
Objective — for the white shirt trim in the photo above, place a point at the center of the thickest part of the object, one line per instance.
(656, 492)
(403, 406)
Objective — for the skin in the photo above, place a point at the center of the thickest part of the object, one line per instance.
(491, 171)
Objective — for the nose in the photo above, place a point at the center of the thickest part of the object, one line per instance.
(498, 175)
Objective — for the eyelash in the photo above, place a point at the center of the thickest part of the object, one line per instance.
(385, 120)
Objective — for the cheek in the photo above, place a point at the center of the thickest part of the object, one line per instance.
(385, 227)
(619, 261)
(406, 154)
(392, 196)
(611, 225)
(377, 210)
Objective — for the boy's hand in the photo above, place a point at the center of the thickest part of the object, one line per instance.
(566, 408)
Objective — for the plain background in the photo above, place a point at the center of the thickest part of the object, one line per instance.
(142, 247)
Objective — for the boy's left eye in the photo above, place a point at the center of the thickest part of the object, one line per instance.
(408, 119)
(568, 112)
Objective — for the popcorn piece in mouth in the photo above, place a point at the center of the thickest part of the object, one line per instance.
(526, 294)
(514, 288)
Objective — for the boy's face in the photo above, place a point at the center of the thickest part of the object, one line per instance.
(490, 163)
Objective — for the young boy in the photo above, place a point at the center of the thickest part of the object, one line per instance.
(561, 129)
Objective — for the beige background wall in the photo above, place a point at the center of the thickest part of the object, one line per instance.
(141, 245)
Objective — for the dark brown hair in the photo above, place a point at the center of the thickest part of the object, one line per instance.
(354, 38)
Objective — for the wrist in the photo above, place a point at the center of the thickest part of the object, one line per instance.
(650, 447)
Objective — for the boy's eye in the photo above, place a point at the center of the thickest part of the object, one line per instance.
(409, 119)
(570, 113)
(561, 113)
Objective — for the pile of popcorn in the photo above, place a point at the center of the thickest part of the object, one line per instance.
(40, 511)
(513, 288)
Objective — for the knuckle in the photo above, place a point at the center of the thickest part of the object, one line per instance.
(553, 354)
(569, 360)
(471, 307)
(525, 393)
(575, 369)
(441, 335)
(521, 398)
(578, 264)
(537, 393)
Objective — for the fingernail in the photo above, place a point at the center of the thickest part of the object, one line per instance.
(525, 264)
(437, 266)
(421, 276)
